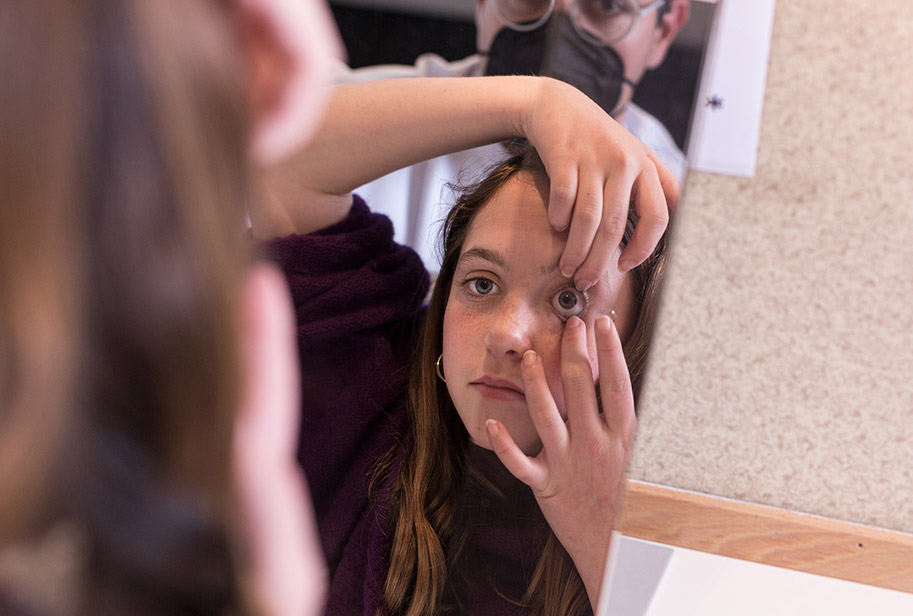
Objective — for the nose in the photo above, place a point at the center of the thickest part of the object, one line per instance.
(509, 329)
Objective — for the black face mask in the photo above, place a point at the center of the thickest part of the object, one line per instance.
(557, 50)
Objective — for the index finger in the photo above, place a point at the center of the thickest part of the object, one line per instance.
(542, 409)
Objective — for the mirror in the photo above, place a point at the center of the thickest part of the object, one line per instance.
(659, 110)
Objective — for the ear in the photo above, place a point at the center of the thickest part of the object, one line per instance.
(674, 20)
(289, 46)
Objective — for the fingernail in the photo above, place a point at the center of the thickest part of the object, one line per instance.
(574, 323)
(492, 426)
(567, 271)
(604, 324)
(625, 265)
(583, 285)
(529, 358)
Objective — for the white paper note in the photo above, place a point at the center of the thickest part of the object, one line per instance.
(730, 103)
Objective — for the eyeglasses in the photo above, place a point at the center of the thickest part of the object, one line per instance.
(603, 22)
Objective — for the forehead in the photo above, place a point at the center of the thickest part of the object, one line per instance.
(514, 223)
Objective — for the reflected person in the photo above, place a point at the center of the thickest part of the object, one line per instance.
(602, 48)
(444, 476)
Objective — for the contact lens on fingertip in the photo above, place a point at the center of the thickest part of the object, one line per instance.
(612, 315)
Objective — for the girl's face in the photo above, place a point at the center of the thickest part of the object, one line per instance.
(508, 296)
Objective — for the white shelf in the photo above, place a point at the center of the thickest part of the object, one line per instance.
(700, 584)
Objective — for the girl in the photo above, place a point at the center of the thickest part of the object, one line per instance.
(403, 409)
(147, 381)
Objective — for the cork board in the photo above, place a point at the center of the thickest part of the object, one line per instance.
(782, 371)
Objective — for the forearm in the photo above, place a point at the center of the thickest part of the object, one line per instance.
(373, 128)
(595, 167)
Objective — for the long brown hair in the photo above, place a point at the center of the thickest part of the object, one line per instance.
(40, 260)
(424, 503)
(124, 173)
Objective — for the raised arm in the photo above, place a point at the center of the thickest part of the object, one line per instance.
(596, 167)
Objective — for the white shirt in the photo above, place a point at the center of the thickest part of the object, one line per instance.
(418, 198)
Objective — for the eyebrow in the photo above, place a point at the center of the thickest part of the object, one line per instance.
(497, 258)
(483, 254)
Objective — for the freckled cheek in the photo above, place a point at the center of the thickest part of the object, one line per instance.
(463, 335)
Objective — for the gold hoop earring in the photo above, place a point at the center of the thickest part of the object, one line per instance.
(437, 368)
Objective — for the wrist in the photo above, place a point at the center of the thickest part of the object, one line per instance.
(532, 97)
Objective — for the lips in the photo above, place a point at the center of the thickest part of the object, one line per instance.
(498, 389)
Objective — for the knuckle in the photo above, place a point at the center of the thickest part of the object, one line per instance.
(563, 192)
(588, 213)
(614, 224)
(549, 419)
(577, 380)
(654, 214)
(616, 386)
(590, 209)
(630, 164)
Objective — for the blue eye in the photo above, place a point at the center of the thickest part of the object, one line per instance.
(569, 303)
(481, 286)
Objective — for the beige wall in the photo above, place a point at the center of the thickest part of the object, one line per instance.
(783, 367)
